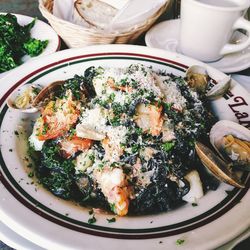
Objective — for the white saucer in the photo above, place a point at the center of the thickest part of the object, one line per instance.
(165, 36)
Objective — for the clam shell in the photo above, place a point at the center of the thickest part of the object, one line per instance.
(197, 78)
(27, 104)
(46, 94)
(217, 166)
(225, 127)
(219, 89)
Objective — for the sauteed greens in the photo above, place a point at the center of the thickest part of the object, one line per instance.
(16, 41)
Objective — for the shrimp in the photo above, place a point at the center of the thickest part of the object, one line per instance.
(114, 186)
(149, 118)
(70, 145)
(118, 197)
(111, 84)
(58, 117)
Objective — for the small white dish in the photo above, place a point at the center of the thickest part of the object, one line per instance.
(165, 35)
(42, 31)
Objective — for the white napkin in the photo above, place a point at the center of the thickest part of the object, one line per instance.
(63, 9)
(135, 12)
(118, 4)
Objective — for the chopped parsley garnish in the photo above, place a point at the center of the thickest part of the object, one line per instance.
(112, 207)
(115, 121)
(92, 220)
(135, 148)
(92, 157)
(31, 174)
(111, 220)
(168, 146)
(45, 128)
(179, 242)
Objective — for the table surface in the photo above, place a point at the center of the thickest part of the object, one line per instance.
(30, 8)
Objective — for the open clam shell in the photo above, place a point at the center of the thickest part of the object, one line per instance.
(217, 166)
(231, 140)
(198, 79)
(22, 98)
(219, 89)
(47, 94)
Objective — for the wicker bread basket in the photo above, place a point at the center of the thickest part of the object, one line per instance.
(76, 36)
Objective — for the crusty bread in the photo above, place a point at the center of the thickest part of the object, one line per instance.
(95, 13)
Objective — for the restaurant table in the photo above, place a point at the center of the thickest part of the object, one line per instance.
(30, 8)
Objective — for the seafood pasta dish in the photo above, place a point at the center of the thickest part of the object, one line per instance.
(131, 140)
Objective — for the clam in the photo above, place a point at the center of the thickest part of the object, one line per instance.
(197, 78)
(22, 99)
(232, 141)
(219, 89)
(47, 94)
(217, 166)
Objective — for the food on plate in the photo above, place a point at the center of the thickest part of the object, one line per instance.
(125, 139)
(232, 142)
(23, 98)
(16, 41)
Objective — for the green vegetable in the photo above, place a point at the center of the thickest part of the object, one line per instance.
(92, 220)
(180, 242)
(31, 174)
(167, 146)
(35, 47)
(111, 220)
(15, 42)
(56, 173)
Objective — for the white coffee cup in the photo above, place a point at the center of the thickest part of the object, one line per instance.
(207, 26)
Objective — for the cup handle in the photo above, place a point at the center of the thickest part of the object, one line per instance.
(241, 23)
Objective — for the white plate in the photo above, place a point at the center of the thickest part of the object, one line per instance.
(41, 31)
(52, 223)
(14, 240)
(165, 35)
